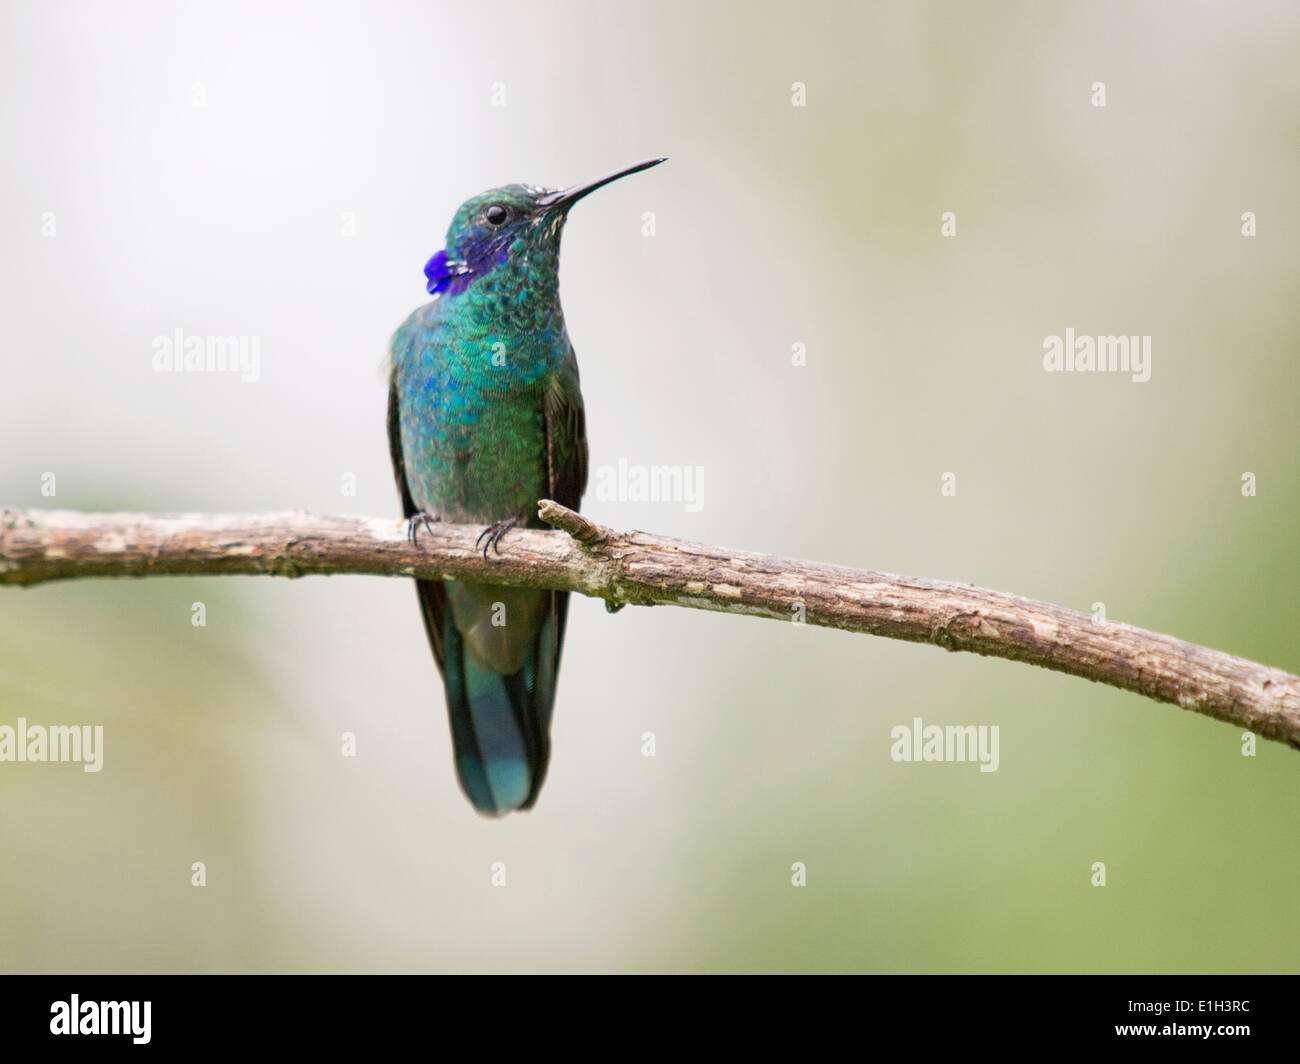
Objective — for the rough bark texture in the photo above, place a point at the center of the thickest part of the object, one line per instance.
(642, 569)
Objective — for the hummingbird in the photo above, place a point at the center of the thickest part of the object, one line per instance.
(485, 417)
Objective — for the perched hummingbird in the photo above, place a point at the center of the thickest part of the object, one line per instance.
(484, 418)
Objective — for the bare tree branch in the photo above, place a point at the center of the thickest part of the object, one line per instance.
(643, 569)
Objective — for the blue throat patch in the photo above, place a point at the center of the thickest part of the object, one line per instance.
(443, 273)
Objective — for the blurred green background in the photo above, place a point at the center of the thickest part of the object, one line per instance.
(199, 161)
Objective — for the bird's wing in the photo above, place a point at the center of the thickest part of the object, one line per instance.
(433, 599)
(566, 438)
(566, 466)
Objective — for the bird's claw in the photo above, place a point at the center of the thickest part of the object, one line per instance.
(493, 534)
(421, 517)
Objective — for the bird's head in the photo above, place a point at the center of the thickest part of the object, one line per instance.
(514, 224)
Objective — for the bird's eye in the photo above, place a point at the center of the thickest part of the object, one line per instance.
(496, 214)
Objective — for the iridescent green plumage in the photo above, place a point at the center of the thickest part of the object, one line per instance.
(485, 418)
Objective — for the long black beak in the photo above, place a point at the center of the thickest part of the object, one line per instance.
(567, 197)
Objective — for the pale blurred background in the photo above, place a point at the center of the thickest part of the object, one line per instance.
(202, 164)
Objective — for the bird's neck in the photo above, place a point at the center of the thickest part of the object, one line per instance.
(522, 294)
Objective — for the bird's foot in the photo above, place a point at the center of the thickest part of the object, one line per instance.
(418, 519)
(493, 534)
